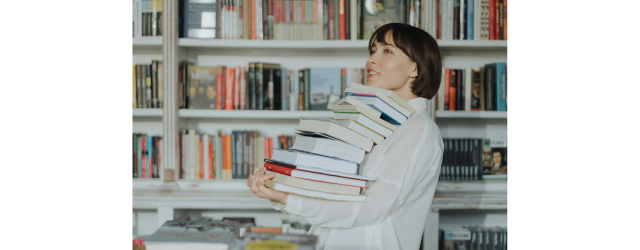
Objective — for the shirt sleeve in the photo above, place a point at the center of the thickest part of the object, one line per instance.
(409, 164)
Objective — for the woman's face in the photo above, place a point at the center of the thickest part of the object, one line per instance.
(388, 67)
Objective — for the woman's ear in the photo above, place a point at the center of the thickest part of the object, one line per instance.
(414, 70)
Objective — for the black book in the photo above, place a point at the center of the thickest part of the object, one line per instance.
(234, 167)
(251, 81)
(456, 19)
(154, 84)
(277, 88)
(307, 100)
(447, 167)
(444, 160)
(460, 89)
(245, 153)
(441, 240)
(325, 19)
(489, 87)
(258, 86)
(463, 159)
(458, 162)
(239, 153)
(347, 19)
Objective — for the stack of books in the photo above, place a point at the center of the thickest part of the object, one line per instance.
(324, 160)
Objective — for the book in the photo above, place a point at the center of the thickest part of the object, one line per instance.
(353, 111)
(395, 97)
(314, 185)
(323, 145)
(334, 129)
(365, 121)
(361, 129)
(468, 86)
(315, 161)
(457, 239)
(312, 194)
(379, 94)
(182, 234)
(501, 87)
(324, 87)
(202, 87)
(388, 113)
(494, 158)
(266, 240)
(316, 174)
(201, 19)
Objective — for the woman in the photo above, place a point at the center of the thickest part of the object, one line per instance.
(405, 166)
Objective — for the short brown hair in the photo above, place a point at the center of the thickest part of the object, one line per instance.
(421, 48)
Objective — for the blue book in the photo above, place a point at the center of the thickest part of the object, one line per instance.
(470, 14)
(200, 19)
(501, 86)
(325, 87)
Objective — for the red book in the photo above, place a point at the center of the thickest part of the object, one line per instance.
(447, 78)
(294, 173)
(452, 90)
(228, 98)
(236, 88)
(343, 28)
(229, 152)
(211, 159)
(223, 141)
(219, 87)
(492, 19)
(201, 155)
(331, 23)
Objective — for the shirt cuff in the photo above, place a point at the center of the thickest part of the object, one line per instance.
(294, 204)
(277, 205)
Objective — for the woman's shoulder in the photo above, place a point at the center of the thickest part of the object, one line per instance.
(420, 121)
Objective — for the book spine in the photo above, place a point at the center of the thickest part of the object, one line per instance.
(452, 89)
(336, 16)
(475, 92)
(229, 158)
(307, 101)
(501, 20)
(201, 155)
(456, 19)
(135, 156)
(492, 19)
(470, 20)
(501, 87)
(463, 19)
(488, 88)
(149, 157)
(505, 20)
(343, 84)
(243, 88)
(259, 76)
(481, 93)
(236, 88)
(301, 89)
(331, 20)
(343, 31)
(460, 89)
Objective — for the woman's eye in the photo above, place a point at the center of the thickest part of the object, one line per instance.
(371, 52)
(387, 51)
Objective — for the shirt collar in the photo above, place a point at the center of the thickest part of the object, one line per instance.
(418, 103)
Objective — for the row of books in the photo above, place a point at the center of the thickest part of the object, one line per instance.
(473, 238)
(469, 89)
(324, 161)
(147, 18)
(148, 85)
(292, 19)
(474, 159)
(263, 86)
(147, 156)
(225, 156)
(218, 235)
(468, 19)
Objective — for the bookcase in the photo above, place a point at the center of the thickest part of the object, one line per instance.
(155, 201)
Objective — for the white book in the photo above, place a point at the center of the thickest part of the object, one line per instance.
(450, 19)
(184, 155)
(325, 175)
(462, 17)
(365, 121)
(313, 194)
(389, 114)
(191, 167)
(336, 130)
(325, 145)
(468, 85)
(360, 129)
(353, 15)
(195, 174)
(476, 19)
(314, 160)
(377, 93)
(395, 97)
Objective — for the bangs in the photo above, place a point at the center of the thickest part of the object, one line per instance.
(400, 35)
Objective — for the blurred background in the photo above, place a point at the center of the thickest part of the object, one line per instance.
(232, 78)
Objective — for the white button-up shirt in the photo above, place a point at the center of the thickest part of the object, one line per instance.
(406, 167)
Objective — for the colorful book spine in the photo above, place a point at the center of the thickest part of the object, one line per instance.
(501, 87)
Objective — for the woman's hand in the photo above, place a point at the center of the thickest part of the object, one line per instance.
(256, 183)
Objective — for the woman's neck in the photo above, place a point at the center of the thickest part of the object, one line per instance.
(405, 92)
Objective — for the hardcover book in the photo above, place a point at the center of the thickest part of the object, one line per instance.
(202, 87)
(201, 19)
(376, 13)
(324, 87)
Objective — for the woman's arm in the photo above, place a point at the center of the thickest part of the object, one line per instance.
(398, 175)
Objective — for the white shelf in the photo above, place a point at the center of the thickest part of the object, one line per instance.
(471, 114)
(306, 44)
(234, 194)
(147, 112)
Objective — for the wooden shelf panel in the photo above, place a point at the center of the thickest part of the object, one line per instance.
(305, 44)
(471, 114)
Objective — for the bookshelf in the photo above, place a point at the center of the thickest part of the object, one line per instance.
(167, 200)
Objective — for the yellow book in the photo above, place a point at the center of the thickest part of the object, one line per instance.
(134, 87)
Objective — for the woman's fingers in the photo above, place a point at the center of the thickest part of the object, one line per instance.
(263, 179)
